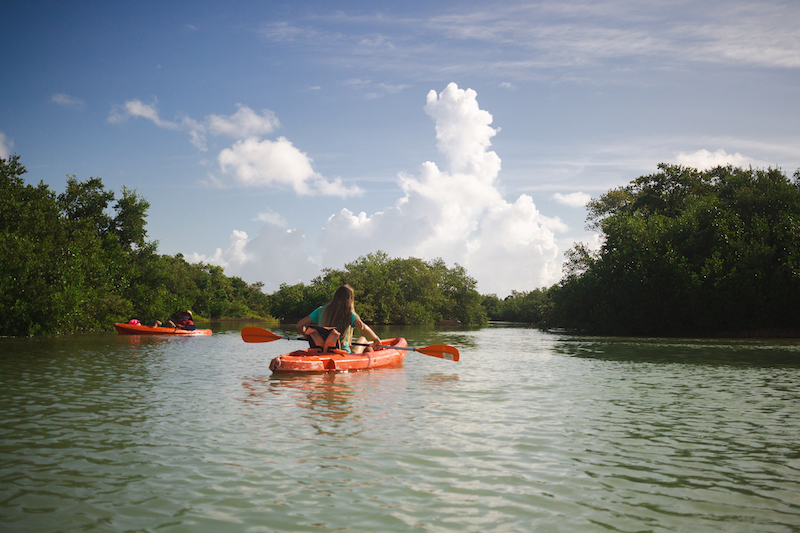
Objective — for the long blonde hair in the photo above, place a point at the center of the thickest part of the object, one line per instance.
(339, 311)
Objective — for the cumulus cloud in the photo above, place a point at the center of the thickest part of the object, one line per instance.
(250, 161)
(575, 199)
(704, 160)
(277, 164)
(274, 256)
(244, 123)
(6, 145)
(456, 213)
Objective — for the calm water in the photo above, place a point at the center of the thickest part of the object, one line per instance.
(528, 432)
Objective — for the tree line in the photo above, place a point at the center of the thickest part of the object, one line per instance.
(684, 253)
(80, 261)
(687, 253)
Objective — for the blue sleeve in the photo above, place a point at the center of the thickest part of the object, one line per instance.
(353, 318)
(315, 315)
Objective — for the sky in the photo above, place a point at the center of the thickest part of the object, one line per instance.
(277, 139)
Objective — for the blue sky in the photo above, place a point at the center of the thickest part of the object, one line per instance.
(276, 139)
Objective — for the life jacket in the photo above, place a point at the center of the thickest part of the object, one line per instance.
(345, 330)
(324, 340)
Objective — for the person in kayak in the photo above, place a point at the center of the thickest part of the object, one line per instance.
(184, 321)
(340, 313)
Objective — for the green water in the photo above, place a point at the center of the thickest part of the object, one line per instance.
(528, 432)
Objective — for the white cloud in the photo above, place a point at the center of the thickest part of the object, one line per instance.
(600, 41)
(704, 160)
(255, 163)
(273, 257)
(575, 199)
(137, 108)
(458, 214)
(271, 217)
(250, 162)
(66, 100)
(6, 145)
(244, 123)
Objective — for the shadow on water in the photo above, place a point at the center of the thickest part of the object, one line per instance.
(721, 352)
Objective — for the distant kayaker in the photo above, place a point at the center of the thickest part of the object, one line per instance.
(184, 321)
(340, 313)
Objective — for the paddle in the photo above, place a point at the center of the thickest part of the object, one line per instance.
(253, 334)
(442, 351)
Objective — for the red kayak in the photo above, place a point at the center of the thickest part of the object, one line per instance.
(340, 361)
(131, 329)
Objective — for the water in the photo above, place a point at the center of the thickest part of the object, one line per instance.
(528, 432)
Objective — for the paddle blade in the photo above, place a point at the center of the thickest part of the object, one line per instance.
(442, 351)
(253, 334)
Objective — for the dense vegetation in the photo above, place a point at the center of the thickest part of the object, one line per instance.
(390, 291)
(685, 253)
(68, 265)
(688, 253)
(80, 261)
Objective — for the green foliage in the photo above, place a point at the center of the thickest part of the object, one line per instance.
(390, 291)
(688, 253)
(527, 307)
(67, 265)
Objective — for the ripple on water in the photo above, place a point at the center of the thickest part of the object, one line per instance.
(528, 432)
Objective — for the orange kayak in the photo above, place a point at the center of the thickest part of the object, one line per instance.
(130, 329)
(340, 361)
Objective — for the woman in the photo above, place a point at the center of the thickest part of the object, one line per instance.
(340, 313)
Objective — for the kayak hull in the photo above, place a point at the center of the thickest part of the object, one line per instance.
(309, 361)
(130, 329)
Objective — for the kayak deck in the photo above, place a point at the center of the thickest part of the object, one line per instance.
(130, 329)
(312, 361)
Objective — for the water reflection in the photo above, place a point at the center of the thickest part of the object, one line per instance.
(328, 394)
(529, 431)
(755, 353)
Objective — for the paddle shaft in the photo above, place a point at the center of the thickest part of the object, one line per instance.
(442, 351)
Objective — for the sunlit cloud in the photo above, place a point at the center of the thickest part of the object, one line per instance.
(244, 123)
(704, 160)
(456, 213)
(274, 256)
(575, 199)
(277, 164)
(250, 161)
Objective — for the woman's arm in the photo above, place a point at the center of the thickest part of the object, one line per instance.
(301, 326)
(367, 331)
